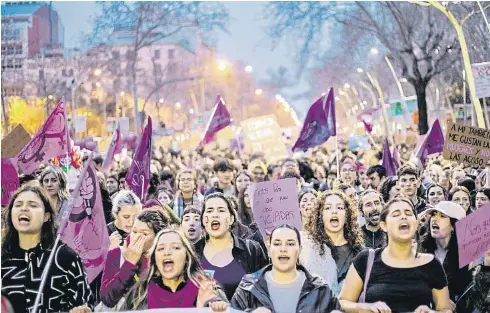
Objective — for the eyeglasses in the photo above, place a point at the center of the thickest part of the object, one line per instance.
(189, 180)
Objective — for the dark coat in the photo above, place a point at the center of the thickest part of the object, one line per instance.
(480, 293)
(315, 296)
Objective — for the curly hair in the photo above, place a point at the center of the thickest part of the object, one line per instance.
(352, 231)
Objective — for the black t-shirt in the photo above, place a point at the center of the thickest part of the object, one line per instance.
(402, 289)
(343, 258)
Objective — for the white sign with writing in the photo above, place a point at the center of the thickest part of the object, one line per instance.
(481, 74)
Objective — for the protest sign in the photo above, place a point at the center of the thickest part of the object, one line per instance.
(15, 141)
(473, 234)
(80, 123)
(264, 134)
(111, 125)
(481, 74)
(467, 145)
(275, 203)
(10, 180)
(124, 125)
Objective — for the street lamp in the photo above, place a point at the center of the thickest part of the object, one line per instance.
(258, 92)
(346, 86)
(97, 72)
(249, 69)
(122, 93)
(222, 65)
(97, 84)
(178, 105)
(161, 100)
(191, 111)
(403, 80)
(374, 50)
(360, 70)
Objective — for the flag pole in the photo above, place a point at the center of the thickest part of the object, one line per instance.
(63, 222)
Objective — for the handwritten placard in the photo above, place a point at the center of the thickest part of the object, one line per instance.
(15, 141)
(275, 203)
(10, 180)
(473, 234)
(481, 74)
(467, 145)
(264, 134)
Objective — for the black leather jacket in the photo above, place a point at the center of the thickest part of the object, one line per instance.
(247, 252)
(315, 297)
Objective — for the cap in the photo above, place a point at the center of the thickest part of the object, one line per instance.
(450, 209)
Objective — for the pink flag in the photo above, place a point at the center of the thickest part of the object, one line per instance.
(319, 124)
(220, 118)
(138, 177)
(10, 180)
(433, 142)
(367, 118)
(114, 148)
(83, 225)
(50, 141)
(388, 162)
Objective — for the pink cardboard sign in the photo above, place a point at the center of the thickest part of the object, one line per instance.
(275, 203)
(474, 235)
(10, 180)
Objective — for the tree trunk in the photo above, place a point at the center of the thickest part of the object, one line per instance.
(420, 91)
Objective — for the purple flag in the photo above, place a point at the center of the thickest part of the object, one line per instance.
(433, 142)
(138, 177)
(114, 148)
(388, 162)
(319, 125)
(83, 225)
(220, 118)
(50, 141)
(10, 180)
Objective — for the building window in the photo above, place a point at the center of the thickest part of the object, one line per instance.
(158, 69)
(157, 54)
(18, 49)
(171, 54)
(10, 34)
(18, 63)
(10, 50)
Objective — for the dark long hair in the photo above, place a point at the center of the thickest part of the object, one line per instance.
(352, 231)
(386, 211)
(229, 206)
(244, 213)
(10, 240)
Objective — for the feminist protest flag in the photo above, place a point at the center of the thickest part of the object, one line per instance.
(49, 142)
(138, 177)
(83, 225)
(114, 148)
(319, 124)
(367, 118)
(388, 161)
(220, 118)
(433, 142)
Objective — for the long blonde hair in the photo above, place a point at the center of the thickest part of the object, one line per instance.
(137, 298)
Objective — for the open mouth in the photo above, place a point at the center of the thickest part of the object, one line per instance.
(404, 227)
(24, 218)
(374, 216)
(435, 227)
(191, 231)
(334, 221)
(283, 258)
(215, 225)
(168, 265)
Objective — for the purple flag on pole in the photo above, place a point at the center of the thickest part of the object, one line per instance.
(319, 125)
(83, 225)
(138, 177)
(114, 148)
(388, 162)
(220, 118)
(433, 142)
(49, 142)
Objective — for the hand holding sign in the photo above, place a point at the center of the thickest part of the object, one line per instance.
(275, 203)
(473, 234)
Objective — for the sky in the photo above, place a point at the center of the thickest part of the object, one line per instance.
(247, 40)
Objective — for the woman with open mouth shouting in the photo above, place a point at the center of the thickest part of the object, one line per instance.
(442, 241)
(27, 243)
(284, 286)
(175, 279)
(126, 264)
(334, 230)
(224, 256)
(396, 278)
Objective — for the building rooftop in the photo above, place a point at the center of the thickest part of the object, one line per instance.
(22, 8)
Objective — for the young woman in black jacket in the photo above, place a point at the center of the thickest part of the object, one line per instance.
(285, 286)
(224, 256)
(27, 243)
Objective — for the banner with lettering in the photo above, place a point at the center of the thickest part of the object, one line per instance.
(474, 235)
(468, 145)
(275, 203)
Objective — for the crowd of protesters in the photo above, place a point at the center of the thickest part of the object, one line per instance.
(369, 243)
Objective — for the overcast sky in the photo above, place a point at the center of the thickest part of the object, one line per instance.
(247, 41)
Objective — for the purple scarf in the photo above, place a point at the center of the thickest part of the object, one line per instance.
(160, 298)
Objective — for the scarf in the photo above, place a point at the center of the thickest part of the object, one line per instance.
(179, 205)
(160, 297)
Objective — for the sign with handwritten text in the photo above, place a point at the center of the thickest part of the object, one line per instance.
(481, 75)
(467, 145)
(10, 180)
(473, 234)
(275, 203)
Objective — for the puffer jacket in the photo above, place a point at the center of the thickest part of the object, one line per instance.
(480, 293)
(315, 296)
(247, 252)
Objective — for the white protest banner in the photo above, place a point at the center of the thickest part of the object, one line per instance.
(80, 123)
(275, 203)
(481, 74)
(124, 125)
(264, 134)
(111, 125)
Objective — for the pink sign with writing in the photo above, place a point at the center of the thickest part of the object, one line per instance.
(474, 235)
(10, 180)
(275, 203)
